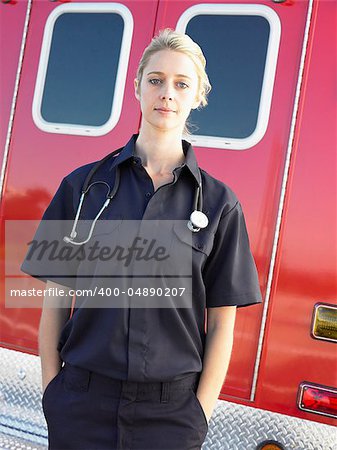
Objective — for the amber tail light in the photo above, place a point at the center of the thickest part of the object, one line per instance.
(324, 322)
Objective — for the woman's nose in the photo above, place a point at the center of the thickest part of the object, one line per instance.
(167, 93)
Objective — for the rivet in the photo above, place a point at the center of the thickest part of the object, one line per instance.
(21, 374)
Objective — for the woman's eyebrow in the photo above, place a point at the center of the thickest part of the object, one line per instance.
(178, 75)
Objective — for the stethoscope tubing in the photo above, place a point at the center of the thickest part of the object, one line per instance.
(197, 219)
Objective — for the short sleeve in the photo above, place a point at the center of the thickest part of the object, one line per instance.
(230, 274)
(48, 256)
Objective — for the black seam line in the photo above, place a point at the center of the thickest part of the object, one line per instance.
(114, 276)
(250, 294)
(25, 438)
(236, 204)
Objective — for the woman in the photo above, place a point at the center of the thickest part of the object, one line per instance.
(147, 378)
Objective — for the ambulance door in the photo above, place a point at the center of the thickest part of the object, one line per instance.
(75, 104)
(253, 52)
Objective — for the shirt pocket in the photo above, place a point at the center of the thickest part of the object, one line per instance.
(103, 229)
(96, 257)
(200, 241)
(190, 251)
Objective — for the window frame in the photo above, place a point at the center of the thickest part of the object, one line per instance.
(269, 70)
(123, 62)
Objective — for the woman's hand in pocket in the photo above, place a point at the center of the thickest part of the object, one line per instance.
(207, 408)
(47, 379)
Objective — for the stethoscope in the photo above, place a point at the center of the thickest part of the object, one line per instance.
(198, 219)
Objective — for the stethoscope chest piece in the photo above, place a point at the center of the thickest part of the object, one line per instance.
(197, 220)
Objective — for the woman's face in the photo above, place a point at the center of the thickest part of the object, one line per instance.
(168, 91)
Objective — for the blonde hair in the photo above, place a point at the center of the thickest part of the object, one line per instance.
(169, 39)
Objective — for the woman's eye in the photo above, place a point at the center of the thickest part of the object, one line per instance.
(182, 85)
(154, 81)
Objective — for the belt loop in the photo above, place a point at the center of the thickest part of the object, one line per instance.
(165, 392)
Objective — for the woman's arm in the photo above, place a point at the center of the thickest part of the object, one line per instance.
(55, 312)
(218, 348)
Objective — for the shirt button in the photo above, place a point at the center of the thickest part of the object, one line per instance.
(200, 246)
(148, 194)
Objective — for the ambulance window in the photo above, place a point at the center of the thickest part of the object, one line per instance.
(240, 43)
(82, 70)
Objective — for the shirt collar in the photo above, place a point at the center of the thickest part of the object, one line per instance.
(191, 161)
(129, 152)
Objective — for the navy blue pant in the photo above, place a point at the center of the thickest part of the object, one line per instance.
(88, 411)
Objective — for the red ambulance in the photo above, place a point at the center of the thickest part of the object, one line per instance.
(269, 132)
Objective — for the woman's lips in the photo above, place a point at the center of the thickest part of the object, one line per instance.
(164, 110)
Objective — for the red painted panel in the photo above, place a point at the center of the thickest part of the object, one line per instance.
(307, 257)
(39, 160)
(255, 174)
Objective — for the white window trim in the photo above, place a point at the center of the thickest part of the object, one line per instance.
(269, 73)
(84, 130)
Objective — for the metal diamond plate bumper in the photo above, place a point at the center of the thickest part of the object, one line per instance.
(238, 427)
(232, 427)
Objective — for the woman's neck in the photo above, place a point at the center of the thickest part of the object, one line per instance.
(160, 152)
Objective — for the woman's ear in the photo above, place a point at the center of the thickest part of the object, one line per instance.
(198, 99)
(136, 84)
(197, 102)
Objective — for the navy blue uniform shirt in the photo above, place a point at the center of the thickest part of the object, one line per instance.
(156, 344)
